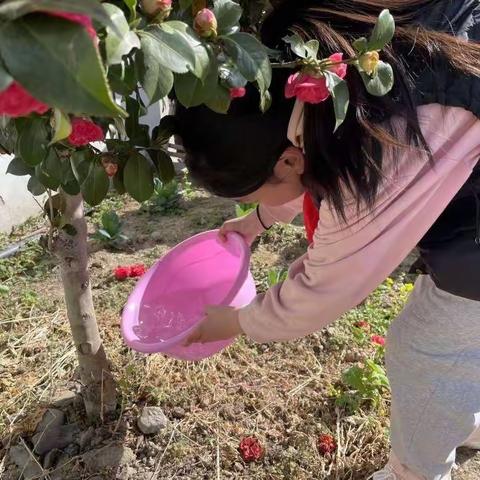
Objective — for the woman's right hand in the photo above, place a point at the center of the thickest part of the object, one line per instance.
(249, 227)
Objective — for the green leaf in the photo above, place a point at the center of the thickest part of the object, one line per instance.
(382, 82)
(220, 100)
(138, 177)
(311, 47)
(296, 44)
(63, 127)
(200, 69)
(265, 100)
(360, 45)
(47, 171)
(383, 31)
(164, 165)
(12, 9)
(190, 90)
(35, 187)
(156, 80)
(57, 62)
(132, 6)
(138, 133)
(70, 184)
(95, 187)
(111, 222)
(19, 168)
(161, 134)
(250, 57)
(338, 89)
(122, 78)
(231, 76)
(33, 141)
(174, 51)
(118, 183)
(228, 14)
(121, 40)
(5, 78)
(80, 163)
(184, 4)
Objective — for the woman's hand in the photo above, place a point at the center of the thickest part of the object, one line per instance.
(221, 323)
(249, 227)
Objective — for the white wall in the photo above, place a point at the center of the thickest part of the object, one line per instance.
(16, 202)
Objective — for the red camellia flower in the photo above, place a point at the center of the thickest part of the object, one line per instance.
(378, 340)
(84, 131)
(121, 273)
(310, 89)
(137, 270)
(364, 325)
(250, 449)
(237, 92)
(326, 444)
(77, 18)
(15, 101)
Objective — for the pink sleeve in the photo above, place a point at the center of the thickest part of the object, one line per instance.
(283, 213)
(348, 261)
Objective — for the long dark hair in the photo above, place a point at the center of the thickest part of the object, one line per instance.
(234, 154)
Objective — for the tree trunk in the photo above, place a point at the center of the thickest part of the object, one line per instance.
(99, 390)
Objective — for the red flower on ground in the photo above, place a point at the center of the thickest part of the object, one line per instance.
(237, 92)
(84, 131)
(78, 18)
(250, 449)
(310, 89)
(363, 324)
(15, 101)
(378, 340)
(137, 270)
(326, 444)
(121, 273)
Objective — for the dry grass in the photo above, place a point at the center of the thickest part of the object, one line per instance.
(282, 393)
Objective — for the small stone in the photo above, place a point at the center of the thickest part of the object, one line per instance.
(152, 420)
(25, 462)
(72, 450)
(63, 398)
(86, 438)
(178, 412)
(54, 437)
(51, 418)
(239, 467)
(127, 473)
(106, 457)
(50, 458)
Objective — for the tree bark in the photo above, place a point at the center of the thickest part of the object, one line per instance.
(99, 389)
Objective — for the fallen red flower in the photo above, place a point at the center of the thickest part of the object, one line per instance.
(250, 449)
(121, 273)
(378, 340)
(326, 444)
(137, 270)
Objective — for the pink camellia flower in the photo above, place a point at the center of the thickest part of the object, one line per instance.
(378, 340)
(84, 131)
(154, 7)
(78, 18)
(137, 270)
(363, 324)
(15, 101)
(310, 89)
(237, 92)
(205, 23)
(121, 273)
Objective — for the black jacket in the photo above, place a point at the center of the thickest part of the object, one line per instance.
(450, 250)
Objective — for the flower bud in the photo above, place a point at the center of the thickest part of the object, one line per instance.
(237, 92)
(369, 62)
(157, 7)
(205, 23)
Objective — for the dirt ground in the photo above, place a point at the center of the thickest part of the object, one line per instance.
(284, 394)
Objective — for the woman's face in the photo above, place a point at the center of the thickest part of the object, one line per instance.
(285, 185)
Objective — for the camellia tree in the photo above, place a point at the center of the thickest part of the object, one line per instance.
(71, 75)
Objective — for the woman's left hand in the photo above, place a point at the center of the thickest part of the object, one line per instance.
(221, 323)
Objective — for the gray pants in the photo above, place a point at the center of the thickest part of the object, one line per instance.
(433, 363)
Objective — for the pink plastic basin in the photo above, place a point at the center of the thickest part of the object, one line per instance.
(170, 299)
